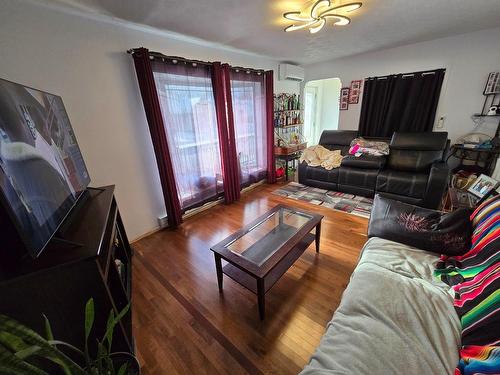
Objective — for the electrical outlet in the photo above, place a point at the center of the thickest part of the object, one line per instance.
(440, 123)
(162, 221)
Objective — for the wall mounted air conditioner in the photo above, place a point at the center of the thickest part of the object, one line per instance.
(291, 72)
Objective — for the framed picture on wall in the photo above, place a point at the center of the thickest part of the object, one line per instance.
(355, 91)
(493, 84)
(344, 98)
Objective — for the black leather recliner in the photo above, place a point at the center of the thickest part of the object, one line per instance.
(414, 172)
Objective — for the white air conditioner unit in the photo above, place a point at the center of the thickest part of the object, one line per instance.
(291, 72)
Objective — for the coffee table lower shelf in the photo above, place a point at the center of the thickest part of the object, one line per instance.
(260, 286)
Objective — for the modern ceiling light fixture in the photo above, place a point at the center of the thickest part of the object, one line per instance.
(320, 11)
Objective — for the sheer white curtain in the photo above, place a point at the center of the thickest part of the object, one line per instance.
(249, 114)
(188, 108)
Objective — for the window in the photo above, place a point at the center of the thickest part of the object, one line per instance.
(248, 99)
(188, 108)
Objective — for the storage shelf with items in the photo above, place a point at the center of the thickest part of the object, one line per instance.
(491, 105)
(289, 140)
(287, 111)
(477, 152)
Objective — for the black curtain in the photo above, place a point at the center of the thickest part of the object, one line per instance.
(400, 102)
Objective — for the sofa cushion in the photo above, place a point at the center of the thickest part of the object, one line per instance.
(413, 160)
(321, 174)
(337, 139)
(416, 151)
(364, 178)
(402, 183)
(364, 161)
(428, 141)
(393, 316)
(436, 231)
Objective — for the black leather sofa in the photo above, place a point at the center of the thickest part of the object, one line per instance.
(415, 170)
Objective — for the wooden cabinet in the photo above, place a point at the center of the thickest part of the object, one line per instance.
(91, 258)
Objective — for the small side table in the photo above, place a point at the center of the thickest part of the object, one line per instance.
(288, 158)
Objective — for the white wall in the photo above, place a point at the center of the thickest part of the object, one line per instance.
(468, 59)
(329, 104)
(83, 59)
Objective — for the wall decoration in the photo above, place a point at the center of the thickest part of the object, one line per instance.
(344, 98)
(355, 91)
(493, 84)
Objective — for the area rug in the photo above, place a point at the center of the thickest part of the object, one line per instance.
(352, 204)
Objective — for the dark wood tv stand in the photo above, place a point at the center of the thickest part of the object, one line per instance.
(69, 272)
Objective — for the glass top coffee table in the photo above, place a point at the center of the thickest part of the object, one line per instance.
(262, 251)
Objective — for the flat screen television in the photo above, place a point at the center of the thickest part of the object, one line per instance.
(42, 171)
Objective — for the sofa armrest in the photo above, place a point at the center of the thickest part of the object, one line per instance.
(437, 185)
(302, 172)
(384, 210)
(423, 228)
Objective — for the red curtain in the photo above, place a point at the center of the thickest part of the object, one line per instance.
(157, 129)
(271, 165)
(224, 112)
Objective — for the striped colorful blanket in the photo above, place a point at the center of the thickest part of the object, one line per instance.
(475, 280)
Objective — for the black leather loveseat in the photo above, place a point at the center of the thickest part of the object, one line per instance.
(414, 172)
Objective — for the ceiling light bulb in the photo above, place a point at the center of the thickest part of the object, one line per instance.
(295, 16)
(320, 11)
(317, 6)
(341, 20)
(348, 7)
(298, 27)
(317, 28)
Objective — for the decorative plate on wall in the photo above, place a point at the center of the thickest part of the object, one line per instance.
(344, 98)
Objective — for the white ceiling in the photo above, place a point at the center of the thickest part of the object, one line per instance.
(257, 25)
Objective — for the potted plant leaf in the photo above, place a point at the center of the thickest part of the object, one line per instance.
(25, 352)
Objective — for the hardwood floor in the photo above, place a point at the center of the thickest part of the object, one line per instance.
(183, 325)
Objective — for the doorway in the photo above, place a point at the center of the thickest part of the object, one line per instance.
(321, 108)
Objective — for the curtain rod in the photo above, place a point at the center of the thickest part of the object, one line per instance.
(247, 70)
(423, 72)
(159, 55)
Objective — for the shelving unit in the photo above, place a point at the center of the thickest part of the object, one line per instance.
(484, 159)
(288, 129)
(65, 276)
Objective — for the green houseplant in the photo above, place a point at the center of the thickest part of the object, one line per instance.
(23, 351)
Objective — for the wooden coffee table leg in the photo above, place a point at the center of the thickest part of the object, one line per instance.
(261, 298)
(218, 267)
(318, 235)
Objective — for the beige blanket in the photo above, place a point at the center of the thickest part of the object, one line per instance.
(394, 318)
(316, 156)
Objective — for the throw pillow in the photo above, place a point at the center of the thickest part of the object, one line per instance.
(442, 233)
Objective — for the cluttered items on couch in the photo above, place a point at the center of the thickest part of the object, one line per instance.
(361, 146)
(316, 156)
